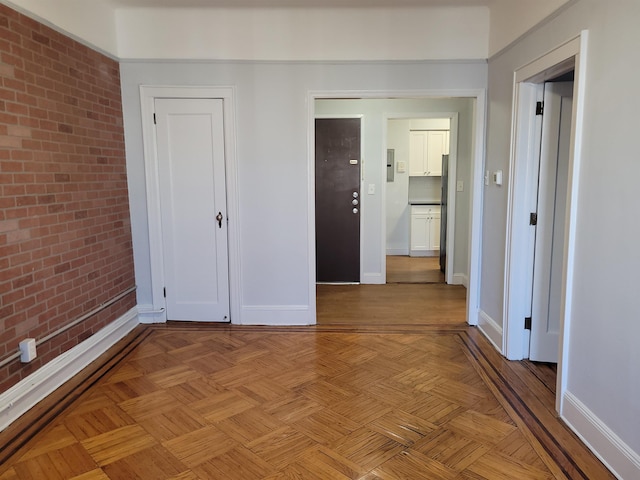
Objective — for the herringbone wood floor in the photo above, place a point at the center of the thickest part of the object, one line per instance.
(327, 402)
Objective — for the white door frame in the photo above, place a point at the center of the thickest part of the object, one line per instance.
(451, 184)
(524, 151)
(477, 176)
(360, 182)
(148, 94)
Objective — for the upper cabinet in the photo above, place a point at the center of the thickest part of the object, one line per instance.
(425, 152)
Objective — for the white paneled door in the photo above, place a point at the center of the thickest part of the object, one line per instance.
(191, 171)
(550, 230)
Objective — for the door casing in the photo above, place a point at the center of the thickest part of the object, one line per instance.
(524, 153)
(156, 312)
(451, 184)
(477, 178)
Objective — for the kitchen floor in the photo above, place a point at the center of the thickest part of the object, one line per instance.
(405, 269)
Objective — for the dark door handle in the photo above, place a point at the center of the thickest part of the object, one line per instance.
(219, 219)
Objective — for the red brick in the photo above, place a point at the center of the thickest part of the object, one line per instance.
(65, 242)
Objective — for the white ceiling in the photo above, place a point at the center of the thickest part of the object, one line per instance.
(294, 3)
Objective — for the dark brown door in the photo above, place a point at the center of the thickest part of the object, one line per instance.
(338, 200)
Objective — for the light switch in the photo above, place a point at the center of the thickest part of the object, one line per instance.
(497, 177)
(460, 186)
(486, 178)
(372, 189)
(402, 166)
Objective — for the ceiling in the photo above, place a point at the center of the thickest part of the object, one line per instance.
(295, 3)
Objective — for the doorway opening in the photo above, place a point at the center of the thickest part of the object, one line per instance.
(376, 110)
(419, 158)
(526, 297)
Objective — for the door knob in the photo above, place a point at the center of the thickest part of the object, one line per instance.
(219, 219)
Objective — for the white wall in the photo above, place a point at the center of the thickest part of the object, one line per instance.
(603, 353)
(272, 151)
(304, 33)
(92, 23)
(510, 19)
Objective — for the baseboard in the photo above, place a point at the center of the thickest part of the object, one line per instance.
(398, 251)
(490, 328)
(28, 392)
(277, 315)
(460, 279)
(601, 440)
(424, 253)
(147, 314)
(372, 279)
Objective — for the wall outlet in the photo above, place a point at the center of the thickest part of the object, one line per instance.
(28, 350)
(372, 189)
(460, 186)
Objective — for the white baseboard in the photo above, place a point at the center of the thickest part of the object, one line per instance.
(398, 251)
(372, 279)
(277, 315)
(491, 329)
(460, 279)
(603, 442)
(147, 314)
(424, 253)
(28, 392)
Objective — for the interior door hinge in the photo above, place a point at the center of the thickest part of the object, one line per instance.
(533, 218)
(154, 119)
(164, 292)
(539, 108)
(527, 323)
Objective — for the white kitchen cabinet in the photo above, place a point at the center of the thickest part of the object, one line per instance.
(426, 148)
(425, 231)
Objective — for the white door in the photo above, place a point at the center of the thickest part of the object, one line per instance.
(191, 166)
(552, 199)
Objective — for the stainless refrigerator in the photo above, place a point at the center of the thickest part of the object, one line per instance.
(443, 215)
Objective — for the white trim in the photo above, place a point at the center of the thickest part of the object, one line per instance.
(277, 315)
(460, 279)
(148, 93)
(491, 329)
(28, 392)
(475, 217)
(147, 315)
(523, 153)
(477, 183)
(575, 156)
(398, 251)
(373, 279)
(618, 457)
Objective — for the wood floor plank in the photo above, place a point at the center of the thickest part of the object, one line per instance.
(405, 269)
(119, 443)
(200, 445)
(414, 393)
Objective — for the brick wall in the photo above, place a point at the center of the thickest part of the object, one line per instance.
(65, 241)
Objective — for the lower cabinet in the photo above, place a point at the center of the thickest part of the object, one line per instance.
(425, 231)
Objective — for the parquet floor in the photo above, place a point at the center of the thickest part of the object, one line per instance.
(217, 402)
